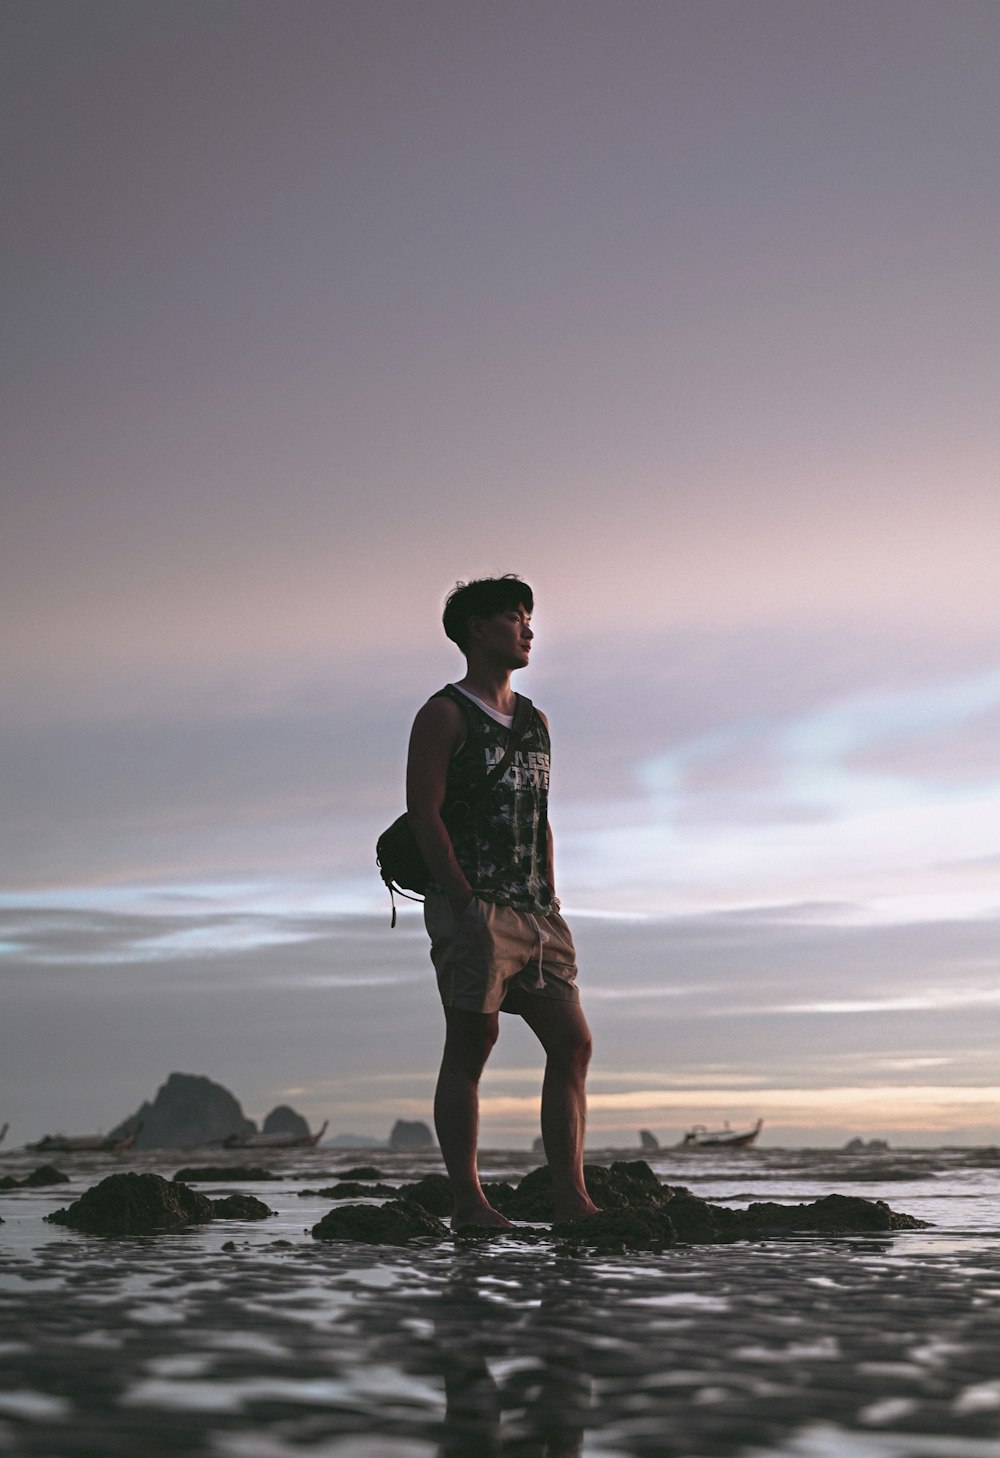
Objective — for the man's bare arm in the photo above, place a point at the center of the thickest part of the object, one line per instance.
(438, 731)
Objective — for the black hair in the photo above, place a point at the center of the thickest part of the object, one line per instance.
(483, 598)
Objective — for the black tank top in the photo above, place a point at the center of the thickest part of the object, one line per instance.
(501, 842)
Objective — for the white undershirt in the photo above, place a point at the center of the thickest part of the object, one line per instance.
(507, 720)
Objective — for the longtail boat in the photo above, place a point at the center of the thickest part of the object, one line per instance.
(700, 1137)
(82, 1143)
(275, 1141)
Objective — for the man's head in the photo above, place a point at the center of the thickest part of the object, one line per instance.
(483, 598)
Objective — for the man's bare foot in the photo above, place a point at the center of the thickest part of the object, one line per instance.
(484, 1216)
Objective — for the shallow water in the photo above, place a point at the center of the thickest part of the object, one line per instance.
(806, 1348)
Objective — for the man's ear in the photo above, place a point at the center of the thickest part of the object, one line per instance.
(476, 627)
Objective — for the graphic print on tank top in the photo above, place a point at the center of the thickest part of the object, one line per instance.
(501, 843)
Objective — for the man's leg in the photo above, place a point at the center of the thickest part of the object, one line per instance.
(469, 1039)
(562, 1030)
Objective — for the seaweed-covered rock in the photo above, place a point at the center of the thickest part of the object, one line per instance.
(215, 1173)
(697, 1220)
(352, 1190)
(629, 1184)
(500, 1193)
(361, 1172)
(241, 1207)
(126, 1204)
(394, 1223)
(433, 1192)
(532, 1198)
(831, 1214)
(626, 1185)
(45, 1174)
(688, 1219)
(700, 1221)
(624, 1229)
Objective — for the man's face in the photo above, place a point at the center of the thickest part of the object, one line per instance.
(506, 636)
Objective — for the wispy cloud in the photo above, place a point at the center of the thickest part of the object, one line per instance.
(811, 806)
(930, 1000)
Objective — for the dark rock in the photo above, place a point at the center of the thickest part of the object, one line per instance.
(631, 1187)
(538, 1145)
(188, 1111)
(410, 1135)
(499, 1193)
(361, 1172)
(637, 1212)
(433, 1192)
(628, 1184)
(532, 1198)
(45, 1174)
(284, 1120)
(126, 1204)
(241, 1207)
(621, 1230)
(831, 1215)
(648, 1140)
(352, 1190)
(200, 1173)
(689, 1219)
(697, 1220)
(394, 1223)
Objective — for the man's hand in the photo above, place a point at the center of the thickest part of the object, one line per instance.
(460, 905)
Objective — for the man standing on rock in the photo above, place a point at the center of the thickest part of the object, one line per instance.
(498, 942)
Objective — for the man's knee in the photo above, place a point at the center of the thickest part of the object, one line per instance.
(572, 1049)
(583, 1048)
(469, 1040)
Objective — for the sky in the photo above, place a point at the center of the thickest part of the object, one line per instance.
(684, 312)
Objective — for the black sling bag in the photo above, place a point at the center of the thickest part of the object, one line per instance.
(397, 855)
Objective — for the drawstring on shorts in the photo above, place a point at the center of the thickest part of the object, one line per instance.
(542, 939)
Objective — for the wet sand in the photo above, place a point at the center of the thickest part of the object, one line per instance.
(852, 1347)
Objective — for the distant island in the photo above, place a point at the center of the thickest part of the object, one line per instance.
(189, 1111)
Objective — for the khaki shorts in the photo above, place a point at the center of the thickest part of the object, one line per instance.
(493, 957)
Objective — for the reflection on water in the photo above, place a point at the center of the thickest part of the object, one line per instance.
(498, 1350)
(279, 1346)
(502, 1364)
